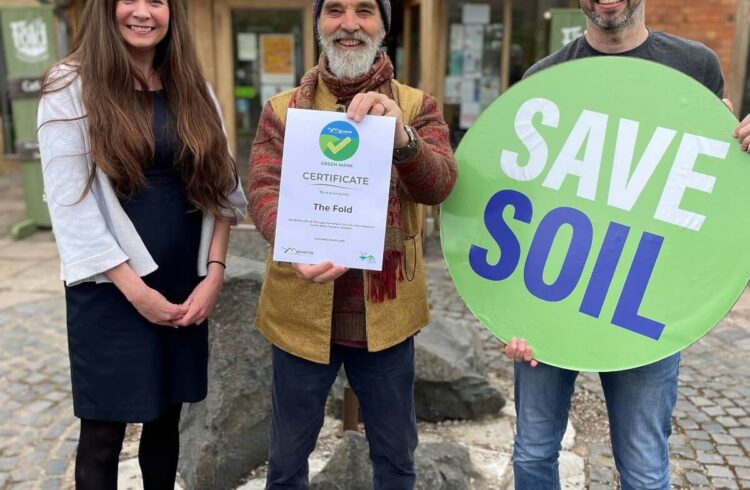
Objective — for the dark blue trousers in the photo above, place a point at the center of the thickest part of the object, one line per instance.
(384, 384)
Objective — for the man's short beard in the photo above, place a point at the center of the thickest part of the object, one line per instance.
(627, 19)
(350, 64)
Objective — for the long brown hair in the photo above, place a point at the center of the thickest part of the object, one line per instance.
(119, 116)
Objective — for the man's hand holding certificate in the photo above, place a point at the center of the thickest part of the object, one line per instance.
(334, 189)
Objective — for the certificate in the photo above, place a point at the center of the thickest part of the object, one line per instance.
(333, 198)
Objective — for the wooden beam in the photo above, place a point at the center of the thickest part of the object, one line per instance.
(309, 37)
(201, 19)
(507, 40)
(224, 63)
(408, 20)
(427, 45)
(738, 66)
(440, 54)
(350, 410)
(73, 16)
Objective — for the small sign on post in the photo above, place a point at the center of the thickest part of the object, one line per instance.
(566, 25)
(29, 47)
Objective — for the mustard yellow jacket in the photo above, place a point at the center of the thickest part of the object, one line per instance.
(295, 315)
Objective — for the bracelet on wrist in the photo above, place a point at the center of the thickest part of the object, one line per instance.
(216, 262)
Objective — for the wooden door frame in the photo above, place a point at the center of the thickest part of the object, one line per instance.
(212, 27)
(738, 66)
(408, 21)
(431, 46)
(428, 44)
(507, 41)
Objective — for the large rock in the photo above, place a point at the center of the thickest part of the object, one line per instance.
(450, 378)
(444, 466)
(439, 466)
(451, 382)
(349, 468)
(224, 437)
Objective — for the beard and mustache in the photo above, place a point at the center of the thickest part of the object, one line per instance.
(345, 63)
(628, 18)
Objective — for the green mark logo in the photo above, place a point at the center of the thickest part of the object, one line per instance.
(339, 141)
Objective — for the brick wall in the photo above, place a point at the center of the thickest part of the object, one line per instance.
(711, 22)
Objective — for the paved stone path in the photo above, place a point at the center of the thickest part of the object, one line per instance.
(38, 433)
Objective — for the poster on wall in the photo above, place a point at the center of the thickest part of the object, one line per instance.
(473, 46)
(492, 50)
(470, 106)
(456, 52)
(469, 90)
(489, 89)
(469, 113)
(457, 37)
(247, 46)
(452, 91)
(277, 59)
(476, 14)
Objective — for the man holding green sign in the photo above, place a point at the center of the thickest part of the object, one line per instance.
(640, 401)
(606, 301)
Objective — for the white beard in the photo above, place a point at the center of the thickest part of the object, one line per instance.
(350, 64)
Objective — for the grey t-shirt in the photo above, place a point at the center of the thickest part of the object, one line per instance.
(690, 57)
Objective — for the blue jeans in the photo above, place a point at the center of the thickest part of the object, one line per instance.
(639, 403)
(384, 384)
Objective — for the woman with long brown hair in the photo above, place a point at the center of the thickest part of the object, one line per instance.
(142, 191)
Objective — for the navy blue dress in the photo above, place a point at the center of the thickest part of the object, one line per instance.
(123, 367)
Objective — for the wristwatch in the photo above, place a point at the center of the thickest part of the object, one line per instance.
(411, 147)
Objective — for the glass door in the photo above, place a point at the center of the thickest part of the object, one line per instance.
(269, 58)
(473, 72)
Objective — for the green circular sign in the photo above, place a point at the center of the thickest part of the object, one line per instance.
(602, 213)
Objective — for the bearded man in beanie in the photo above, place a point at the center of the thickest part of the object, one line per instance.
(320, 317)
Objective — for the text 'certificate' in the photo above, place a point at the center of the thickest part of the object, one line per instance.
(333, 199)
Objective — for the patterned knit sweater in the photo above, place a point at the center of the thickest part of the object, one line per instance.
(426, 178)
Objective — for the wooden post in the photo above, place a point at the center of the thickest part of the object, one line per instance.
(350, 410)
(507, 40)
(738, 70)
(405, 75)
(427, 45)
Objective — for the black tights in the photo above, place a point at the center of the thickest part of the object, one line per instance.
(99, 452)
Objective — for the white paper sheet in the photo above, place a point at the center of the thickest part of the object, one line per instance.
(334, 189)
